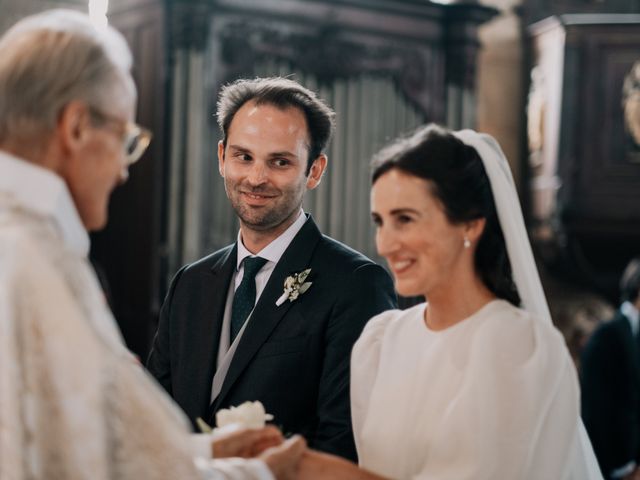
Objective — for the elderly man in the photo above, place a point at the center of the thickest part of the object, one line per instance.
(74, 404)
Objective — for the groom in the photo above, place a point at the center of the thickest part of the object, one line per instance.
(229, 330)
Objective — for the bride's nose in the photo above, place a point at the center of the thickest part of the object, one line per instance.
(386, 241)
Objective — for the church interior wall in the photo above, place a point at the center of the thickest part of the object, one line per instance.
(501, 96)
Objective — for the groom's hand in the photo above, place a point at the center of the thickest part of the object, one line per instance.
(246, 442)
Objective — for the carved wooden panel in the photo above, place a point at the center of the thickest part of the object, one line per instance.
(609, 187)
(585, 169)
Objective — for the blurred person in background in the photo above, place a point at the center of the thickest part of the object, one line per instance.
(610, 377)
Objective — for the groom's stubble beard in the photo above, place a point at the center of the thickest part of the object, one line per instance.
(286, 203)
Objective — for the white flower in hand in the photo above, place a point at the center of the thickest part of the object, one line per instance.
(247, 415)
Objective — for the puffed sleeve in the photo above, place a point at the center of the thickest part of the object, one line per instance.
(368, 291)
(365, 359)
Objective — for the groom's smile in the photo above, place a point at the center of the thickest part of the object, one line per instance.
(257, 199)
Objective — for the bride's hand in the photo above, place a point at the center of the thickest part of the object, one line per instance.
(319, 466)
(246, 442)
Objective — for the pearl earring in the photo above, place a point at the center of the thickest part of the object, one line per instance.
(467, 242)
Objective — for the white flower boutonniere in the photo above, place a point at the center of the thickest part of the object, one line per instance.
(294, 286)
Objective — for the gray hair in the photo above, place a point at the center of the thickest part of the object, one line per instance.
(52, 58)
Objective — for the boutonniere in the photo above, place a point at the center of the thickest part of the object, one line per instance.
(294, 286)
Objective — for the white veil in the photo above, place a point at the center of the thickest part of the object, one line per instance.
(525, 273)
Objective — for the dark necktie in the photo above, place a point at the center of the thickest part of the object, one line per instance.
(244, 298)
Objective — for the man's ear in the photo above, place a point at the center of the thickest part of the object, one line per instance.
(221, 158)
(318, 167)
(73, 121)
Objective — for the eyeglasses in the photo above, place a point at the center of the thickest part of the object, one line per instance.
(135, 139)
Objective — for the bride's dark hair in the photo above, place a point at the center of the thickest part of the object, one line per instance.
(458, 179)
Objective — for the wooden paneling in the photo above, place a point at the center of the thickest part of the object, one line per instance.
(586, 177)
(130, 249)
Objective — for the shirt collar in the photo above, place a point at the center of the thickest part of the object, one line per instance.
(41, 191)
(632, 314)
(276, 248)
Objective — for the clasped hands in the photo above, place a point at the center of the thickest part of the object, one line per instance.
(288, 459)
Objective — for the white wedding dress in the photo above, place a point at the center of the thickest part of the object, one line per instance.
(494, 397)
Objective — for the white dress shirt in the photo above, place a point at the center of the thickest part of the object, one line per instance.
(272, 253)
(633, 315)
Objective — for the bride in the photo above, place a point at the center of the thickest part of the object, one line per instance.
(476, 383)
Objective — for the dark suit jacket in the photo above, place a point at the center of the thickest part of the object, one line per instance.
(610, 378)
(293, 358)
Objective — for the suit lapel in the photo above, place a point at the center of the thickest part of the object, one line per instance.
(208, 338)
(267, 315)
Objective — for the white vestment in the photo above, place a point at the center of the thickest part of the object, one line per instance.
(494, 397)
(74, 402)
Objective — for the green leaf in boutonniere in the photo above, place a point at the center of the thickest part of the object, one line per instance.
(294, 286)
